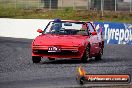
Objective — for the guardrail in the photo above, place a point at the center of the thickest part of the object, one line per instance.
(114, 33)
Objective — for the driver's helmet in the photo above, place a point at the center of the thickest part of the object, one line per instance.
(56, 24)
(57, 20)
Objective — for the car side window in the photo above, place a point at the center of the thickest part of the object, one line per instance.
(91, 29)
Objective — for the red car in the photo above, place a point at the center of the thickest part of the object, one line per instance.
(67, 39)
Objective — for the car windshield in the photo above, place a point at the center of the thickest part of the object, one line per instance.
(66, 28)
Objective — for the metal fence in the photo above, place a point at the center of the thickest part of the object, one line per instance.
(110, 5)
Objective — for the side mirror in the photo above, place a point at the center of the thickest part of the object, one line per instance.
(39, 30)
(94, 33)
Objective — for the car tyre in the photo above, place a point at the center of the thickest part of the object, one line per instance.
(102, 51)
(36, 59)
(86, 54)
(99, 56)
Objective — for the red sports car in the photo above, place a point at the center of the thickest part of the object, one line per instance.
(67, 39)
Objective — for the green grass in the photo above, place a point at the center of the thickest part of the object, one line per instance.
(65, 14)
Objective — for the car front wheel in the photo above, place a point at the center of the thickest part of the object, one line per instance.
(86, 55)
(36, 59)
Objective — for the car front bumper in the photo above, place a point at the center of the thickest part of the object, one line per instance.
(66, 52)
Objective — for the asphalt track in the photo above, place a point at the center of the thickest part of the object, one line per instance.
(18, 71)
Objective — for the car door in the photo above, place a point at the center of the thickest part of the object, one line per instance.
(94, 40)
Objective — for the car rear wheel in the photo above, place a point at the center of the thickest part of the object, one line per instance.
(99, 56)
(36, 59)
(85, 56)
(51, 59)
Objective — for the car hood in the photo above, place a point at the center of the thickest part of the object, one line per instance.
(62, 40)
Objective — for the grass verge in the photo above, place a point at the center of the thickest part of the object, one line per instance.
(66, 14)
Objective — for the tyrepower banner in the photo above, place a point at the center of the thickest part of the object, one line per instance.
(115, 33)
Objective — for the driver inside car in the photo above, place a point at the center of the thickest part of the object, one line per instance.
(83, 30)
(56, 25)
